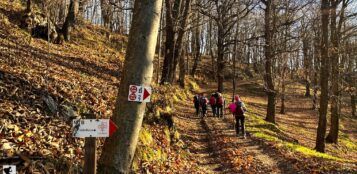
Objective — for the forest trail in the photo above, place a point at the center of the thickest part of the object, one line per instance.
(196, 137)
(217, 149)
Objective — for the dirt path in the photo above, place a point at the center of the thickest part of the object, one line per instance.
(197, 138)
(217, 149)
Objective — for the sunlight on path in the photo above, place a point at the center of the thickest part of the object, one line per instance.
(204, 138)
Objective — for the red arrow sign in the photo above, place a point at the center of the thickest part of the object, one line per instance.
(146, 94)
(112, 127)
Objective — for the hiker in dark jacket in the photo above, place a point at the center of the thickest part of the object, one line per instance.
(196, 102)
(239, 115)
(203, 104)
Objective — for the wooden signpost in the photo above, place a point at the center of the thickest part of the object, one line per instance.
(89, 129)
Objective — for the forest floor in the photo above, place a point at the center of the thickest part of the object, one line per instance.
(217, 149)
(299, 121)
(82, 76)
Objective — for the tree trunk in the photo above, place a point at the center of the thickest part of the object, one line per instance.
(324, 75)
(220, 57)
(28, 6)
(306, 66)
(180, 35)
(335, 73)
(211, 52)
(234, 57)
(70, 20)
(81, 8)
(220, 67)
(269, 35)
(182, 69)
(171, 15)
(119, 150)
(316, 69)
(282, 109)
(107, 12)
(169, 44)
(197, 48)
(353, 105)
(160, 44)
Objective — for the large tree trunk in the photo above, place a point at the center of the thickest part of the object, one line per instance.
(324, 77)
(171, 15)
(180, 35)
(269, 35)
(169, 44)
(119, 150)
(335, 74)
(70, 20)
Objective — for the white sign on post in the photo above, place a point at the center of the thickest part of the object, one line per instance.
(9, 169)
(93, 128)
(139, 93)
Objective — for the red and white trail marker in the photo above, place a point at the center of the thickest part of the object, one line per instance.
(139, 93)
(93, 128)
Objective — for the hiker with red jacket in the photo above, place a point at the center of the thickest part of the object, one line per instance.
(219, 104)
(213, 103)
(239, 115)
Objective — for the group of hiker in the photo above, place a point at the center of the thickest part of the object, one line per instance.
(217, 103)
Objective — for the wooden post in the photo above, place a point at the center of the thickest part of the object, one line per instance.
(90, 154)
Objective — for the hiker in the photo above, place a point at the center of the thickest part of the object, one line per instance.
(203, 104)
(239, 115)
(212, 102)
(196, 102)
(220, 104)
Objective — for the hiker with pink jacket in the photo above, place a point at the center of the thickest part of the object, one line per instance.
(238, 109)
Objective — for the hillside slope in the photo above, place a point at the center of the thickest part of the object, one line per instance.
(80, 77)
(43, 86)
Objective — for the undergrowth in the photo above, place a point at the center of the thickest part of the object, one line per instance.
(271, 132)
(160, 148)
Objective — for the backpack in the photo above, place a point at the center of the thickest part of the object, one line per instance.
(239, 109)
(203, 101)
(220, 100)
(212, 100)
